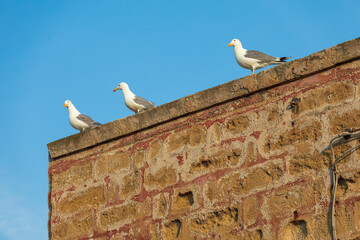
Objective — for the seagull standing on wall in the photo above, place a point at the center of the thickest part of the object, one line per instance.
(134, 103)
(77, 120)
(253, 60)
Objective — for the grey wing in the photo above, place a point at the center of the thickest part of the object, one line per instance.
(144, 102)
(88, 120)
(262, 57)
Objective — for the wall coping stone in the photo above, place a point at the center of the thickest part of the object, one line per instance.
(242, 87)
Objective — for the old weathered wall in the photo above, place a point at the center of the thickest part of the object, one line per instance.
(237, 161)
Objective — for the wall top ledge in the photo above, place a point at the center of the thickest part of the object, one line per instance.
(282, 74)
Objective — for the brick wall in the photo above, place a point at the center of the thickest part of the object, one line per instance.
(248, 159)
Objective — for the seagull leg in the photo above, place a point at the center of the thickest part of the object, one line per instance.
(253, 70)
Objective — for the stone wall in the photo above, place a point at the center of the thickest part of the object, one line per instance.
(248, 159)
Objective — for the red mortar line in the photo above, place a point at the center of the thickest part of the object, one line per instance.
(260, 159)
(123, 229)
(230, 140)
(347, 201)
(141, 145)
(345, 71)
(64, 165)
(208, 123)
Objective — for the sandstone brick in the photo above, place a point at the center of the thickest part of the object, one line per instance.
(161, 205)
(284, 201)
(116, 216)
(251, 210)
(192, 136)
(172, 229)
(80, 225)
(258, 177)
(251, 152)
(274, 115)
(294, 230)
(308, 161)
(344, 221)
(211, 191)
(318, 226)
(256, 234)
(346, 120)
(325, 96)
(298, 134)
(155, 148)
(91, 197)
(217, 221)
(185, 199)
(112, 163)
(113, 191)
(164, 177)
(357, 215)
(237, 123)
(130, 184)
(348, 183)
(139, 159)
(139, 230)
(221, 159)
(75, 175)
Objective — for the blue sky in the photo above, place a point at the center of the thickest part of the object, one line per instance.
(51, 51)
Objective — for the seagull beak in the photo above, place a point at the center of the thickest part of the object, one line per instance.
(230, 44)
(115, 90)
(65, 105)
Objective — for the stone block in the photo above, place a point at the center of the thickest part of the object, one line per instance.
(253, 234)
(258, 177)
(325, 96)
(318, 226)
(114, 217)
(294, 230)
(221, 159)
(339, 121)
(139, 158)
(251, 210)
(284, 201)
(237, 124)
(79, 226)
(172, 229)
(165, 176)
(185, 199)
(301, 132)
(304, 161)
(155, 148)
(348, 184)
(90, 197)
(192, 136)
(219, 221)
(112, 163)
(76, 174)
(344, 221)
(130, 185)
(161, 205)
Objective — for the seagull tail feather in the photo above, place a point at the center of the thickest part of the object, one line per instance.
(283, 59)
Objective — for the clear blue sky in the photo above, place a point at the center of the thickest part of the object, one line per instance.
(51, 51)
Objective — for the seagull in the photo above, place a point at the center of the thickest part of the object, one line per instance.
(251, 59)
(77, 120)
(134, 103)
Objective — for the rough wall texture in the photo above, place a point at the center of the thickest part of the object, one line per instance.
(242, 160)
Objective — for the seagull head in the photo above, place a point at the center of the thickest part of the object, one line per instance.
(67, 103)
(235, 42)
(121, 86)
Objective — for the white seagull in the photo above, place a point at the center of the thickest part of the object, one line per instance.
(251, 59)
(134, 103)
(77, 120)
